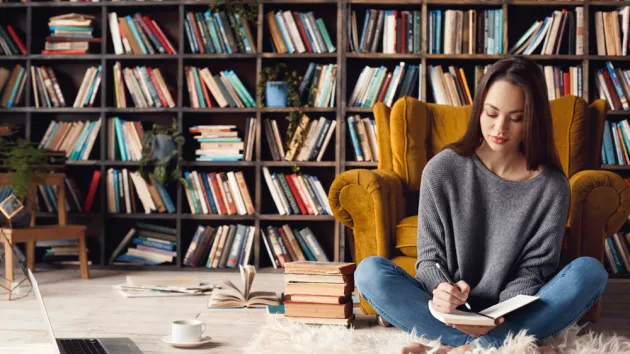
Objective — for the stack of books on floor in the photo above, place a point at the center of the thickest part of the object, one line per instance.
(76, 138)
(60, 251)
(377, 85)
(211, 32)
(225, 246)
(218, 193)
(138, 35)
(123, 186)
(154, 244)
(12, 85)
(363, 138)
(156, 286)
(124, 142)
(70, 34)
(89, 88)
(319, 292)
(222, 143)
(10, 43)
(289, 244)
(221, 90)
(145, 85)
(295, 194)
(308, 143)
(298, 32)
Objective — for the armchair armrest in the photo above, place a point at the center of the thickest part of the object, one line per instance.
(600, 204)
(371, 203)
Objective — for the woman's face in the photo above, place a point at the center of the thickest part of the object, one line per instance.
(502, 117)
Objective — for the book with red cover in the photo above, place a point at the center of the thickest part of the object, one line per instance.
(96, 177)
(17, 40)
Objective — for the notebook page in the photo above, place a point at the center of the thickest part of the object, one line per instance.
(508, 306)
(461, 317)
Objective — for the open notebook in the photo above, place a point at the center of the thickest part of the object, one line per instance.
(493, 312)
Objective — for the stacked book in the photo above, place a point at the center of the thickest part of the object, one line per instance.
(295, 194)
(318, 86)
(446, 32)
(450, 87)
(123, 186)
(308, 142)
(561, 32)
(379, 85)
(10, 43)
(46, 90)
(226, 246)
(89, 88)
(385, 31)
(613, 85)
(298, 32)
(222, 143)
(145, 85)
(124, 140)
(611, 31)
(289, 244)
(12, 85)
(617, 252)
(146, 244)
(319, 292)
(70, 34)
(138, 35)
(75, 138)
(221, 90)
(363, 137)
(60, 251)
(74, 197)
(563, 83)
(616, 143)
(218, 32)
(152, 286)
(218, 193)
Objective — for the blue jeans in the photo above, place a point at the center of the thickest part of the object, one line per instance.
(400, 299)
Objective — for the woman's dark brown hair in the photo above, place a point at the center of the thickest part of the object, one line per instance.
(537, 146)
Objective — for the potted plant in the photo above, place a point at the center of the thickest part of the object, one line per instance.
(160, 146)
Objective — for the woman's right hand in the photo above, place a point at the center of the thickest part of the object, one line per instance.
(446, 296)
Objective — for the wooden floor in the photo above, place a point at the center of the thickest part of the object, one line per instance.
(92, 308)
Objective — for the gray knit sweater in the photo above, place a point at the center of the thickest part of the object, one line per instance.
(501, 237)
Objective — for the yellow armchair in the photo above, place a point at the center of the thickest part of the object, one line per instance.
(381, 206)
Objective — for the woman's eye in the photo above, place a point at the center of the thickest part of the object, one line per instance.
(492, 115)
(517, 120)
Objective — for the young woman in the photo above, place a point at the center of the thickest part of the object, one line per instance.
(492, 213)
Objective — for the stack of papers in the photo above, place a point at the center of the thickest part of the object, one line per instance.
(148, 286)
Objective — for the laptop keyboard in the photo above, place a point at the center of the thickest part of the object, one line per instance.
(82, 346)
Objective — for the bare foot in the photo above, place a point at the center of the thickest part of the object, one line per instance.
(417, 348)
(547, 350)
(462, 349)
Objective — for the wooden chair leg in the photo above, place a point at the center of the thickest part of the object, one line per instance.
(83, 260)
(8, 264)
(30, 256)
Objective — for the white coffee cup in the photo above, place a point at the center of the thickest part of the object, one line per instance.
(187, 331)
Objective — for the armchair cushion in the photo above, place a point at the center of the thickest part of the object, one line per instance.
(407, 236)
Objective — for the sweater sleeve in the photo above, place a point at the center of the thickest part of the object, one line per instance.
(541, 254)
(430, 241)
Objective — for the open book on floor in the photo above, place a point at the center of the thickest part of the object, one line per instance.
(491, 313)
(233, 296)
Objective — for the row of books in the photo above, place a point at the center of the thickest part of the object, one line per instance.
(138, 35)
(562, 32)
(225, 246)
(75, 138)
(218, 32)
(386, 31)
(10, 42)
(226, 89)
(89, 87)
(611, 31)
(563, 83)
(613, 85)
(288, 244)
(363, 136)
(218, 193)
(145, 85)
(616, 143)
(124, 140)
(449, 87)
(297, 193)
(319, 85)
(617, 252)
(46, 90)
(59, 251)
(125, 187)
(70, 34)
(222, 143)
(456, 32)
(12, 85)
(376, 84)
(319, 293)
(308, 142)
(298, 32)
(154, 244)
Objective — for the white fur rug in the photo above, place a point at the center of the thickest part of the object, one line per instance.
(280, 335)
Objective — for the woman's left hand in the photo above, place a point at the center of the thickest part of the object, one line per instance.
(476, 331)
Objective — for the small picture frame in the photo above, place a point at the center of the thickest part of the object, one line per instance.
(11, 206)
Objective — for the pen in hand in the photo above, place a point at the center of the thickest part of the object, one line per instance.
(451, 282)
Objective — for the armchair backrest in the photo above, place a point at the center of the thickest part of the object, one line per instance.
(412, 132)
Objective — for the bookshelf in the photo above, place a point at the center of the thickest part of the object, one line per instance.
(105, 230)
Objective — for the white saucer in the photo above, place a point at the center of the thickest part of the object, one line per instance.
(203, 340)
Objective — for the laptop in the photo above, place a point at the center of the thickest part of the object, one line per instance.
(83, 345)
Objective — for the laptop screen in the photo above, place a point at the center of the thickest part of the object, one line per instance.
(40, 302)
